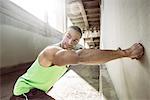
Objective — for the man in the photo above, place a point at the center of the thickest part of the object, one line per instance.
(51, 63)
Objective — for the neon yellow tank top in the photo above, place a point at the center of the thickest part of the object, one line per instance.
(38, 77)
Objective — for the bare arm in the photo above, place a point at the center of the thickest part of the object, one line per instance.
(97, 56)
(91, 56)
(57, 56)
(85, 56)
(94, 56)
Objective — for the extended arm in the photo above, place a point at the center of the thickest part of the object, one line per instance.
(92, 56)
(97, 56)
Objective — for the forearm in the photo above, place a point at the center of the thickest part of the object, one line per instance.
(97, 56)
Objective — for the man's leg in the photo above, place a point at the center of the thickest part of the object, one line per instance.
(34, 94)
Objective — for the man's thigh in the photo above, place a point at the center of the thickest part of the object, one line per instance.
(34, 94)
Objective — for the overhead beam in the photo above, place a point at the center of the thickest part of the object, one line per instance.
(80, 16)
(94, 23)
(83, 13)
(80, 20)
(92, 9)
(90, 1)
(74, 16)
(81, 24)
(93, 19)
(77, 21)
(91, 15)
(70, 1)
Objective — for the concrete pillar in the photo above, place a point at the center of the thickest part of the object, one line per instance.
(125, 22)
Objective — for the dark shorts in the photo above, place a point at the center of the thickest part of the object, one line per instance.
(34, 94)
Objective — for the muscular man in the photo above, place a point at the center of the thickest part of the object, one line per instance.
(51, 63)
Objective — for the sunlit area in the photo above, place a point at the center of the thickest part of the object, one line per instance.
(73, 87)
(51, 12)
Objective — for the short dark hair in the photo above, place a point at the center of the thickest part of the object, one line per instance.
(77, 29)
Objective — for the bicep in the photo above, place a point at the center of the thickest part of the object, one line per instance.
(64, 57)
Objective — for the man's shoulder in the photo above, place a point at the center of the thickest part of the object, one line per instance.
(49, 51)
(52, 48)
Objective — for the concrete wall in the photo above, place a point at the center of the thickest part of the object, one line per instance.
(125, 22)
(22, 35)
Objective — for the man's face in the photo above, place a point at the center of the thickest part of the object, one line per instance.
(70, 39)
